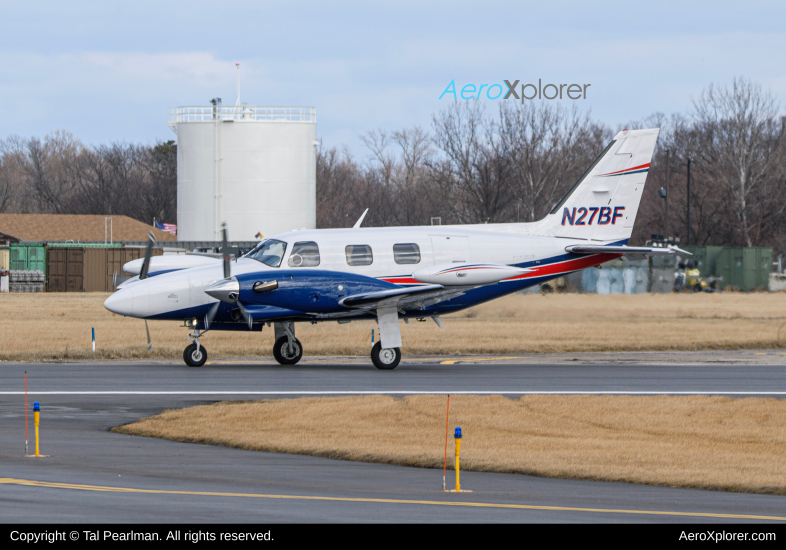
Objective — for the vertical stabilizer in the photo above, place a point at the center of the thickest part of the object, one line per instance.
(602, 204)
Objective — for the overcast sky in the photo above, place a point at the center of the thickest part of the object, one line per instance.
(107, 71)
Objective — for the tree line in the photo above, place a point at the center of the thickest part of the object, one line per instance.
(473, 165)
(60, 175)
(513, 165)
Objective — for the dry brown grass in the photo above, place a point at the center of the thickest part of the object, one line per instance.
(702, 442)
(53, 325)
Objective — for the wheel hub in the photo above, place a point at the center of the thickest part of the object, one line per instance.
(387, 356)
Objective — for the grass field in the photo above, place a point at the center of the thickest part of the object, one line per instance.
(702, 442)
(57, 325)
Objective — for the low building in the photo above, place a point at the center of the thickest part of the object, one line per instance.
(77, 228)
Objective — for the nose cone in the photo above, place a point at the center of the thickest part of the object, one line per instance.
(225, 290)
(121, 302)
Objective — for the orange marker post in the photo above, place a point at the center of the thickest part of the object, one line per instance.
(26, 451)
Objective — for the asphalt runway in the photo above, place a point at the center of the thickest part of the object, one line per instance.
(96, 476)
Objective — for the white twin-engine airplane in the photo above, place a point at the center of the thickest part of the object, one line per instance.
(392, 273)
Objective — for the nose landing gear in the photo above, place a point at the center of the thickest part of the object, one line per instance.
(195, 355)
(287, 350)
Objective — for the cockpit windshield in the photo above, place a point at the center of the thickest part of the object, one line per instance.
(269, 252)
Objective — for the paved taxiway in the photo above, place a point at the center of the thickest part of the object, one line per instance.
(83, 453)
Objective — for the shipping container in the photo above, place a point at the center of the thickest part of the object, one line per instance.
(56, 269)
(763, 268)
(89, 268)
(75, 269)
(94, 270)
(27, 257)
(706, 258)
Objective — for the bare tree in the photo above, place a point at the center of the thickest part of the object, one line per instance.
(475, 175)
(549, 147)
(740, 144)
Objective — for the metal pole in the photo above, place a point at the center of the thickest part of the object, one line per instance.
(666, 199)
(688, 239)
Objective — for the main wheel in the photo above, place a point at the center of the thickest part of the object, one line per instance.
(194, 357)
(282, 354)
(385, 359)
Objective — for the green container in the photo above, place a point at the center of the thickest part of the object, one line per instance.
(729, 266)
(744, 268)
(698, 255)
(706, 258)
(764, 267)
(28, 257)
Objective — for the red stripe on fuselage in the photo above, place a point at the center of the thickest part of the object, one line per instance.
(566, 266)
(537, 271)
(402, 281)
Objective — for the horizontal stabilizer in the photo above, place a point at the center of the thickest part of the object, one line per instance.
(626, 250)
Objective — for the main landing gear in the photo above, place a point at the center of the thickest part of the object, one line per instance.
(195, 355)
(385, 359)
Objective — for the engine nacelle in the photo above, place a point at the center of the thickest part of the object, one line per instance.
(467, 274)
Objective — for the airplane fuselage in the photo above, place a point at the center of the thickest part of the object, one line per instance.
(312, 292)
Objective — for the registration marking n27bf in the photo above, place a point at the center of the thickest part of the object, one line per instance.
(600, 215)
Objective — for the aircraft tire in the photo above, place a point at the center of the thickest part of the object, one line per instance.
(280, 351)
(192, 358)
(387, 359)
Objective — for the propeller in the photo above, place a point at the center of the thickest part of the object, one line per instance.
(225, 251)
(229, 290)
(148, 255)
(143, 275)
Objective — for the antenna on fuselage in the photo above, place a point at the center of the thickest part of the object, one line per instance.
(360, 220)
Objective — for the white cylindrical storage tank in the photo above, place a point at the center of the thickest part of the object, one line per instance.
(252, 167)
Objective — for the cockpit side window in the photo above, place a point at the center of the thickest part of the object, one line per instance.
(359, 254)
(269, 252)
(304, 254)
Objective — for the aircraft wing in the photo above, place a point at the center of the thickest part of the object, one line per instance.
(626, 250)
(401, 298)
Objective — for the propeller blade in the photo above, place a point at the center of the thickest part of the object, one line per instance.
(148, 254)
(246, 315)
(225, 250)
(211, 314)
(149, 344)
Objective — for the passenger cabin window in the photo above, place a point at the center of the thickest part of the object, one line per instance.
(304, 254)
(269, 252)
(359, 254)
(406, 253)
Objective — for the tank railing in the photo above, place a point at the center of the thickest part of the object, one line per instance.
(242, 113)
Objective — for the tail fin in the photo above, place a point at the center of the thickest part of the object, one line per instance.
(602, 204)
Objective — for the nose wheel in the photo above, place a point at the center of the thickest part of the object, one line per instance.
(385, 359)
(195, 355)
(285, 353)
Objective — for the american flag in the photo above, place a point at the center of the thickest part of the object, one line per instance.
(168, 227)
